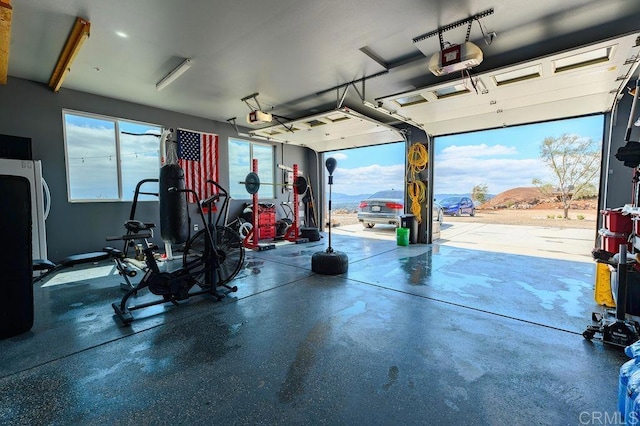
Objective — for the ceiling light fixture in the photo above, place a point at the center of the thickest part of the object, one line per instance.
(174, 74)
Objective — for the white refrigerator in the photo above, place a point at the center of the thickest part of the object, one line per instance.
(40, 199)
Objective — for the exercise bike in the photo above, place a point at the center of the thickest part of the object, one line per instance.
(200, 267)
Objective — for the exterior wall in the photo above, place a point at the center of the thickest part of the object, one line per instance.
(31, 109)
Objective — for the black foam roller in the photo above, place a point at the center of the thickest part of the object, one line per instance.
(16, 303)
(174, 210)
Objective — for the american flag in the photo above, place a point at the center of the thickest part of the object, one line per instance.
(198, 157)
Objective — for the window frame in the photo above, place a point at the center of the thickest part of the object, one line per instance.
(269, 179)
(118, 153)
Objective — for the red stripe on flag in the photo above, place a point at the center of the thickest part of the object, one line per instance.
(197, 173)
(207, 140)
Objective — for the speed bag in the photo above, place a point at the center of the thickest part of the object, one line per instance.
(174, 210)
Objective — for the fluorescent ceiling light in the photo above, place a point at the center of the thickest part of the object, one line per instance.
(517, 75)
(173, 75)
(583, 59)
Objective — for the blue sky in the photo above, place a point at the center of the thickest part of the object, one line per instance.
(501, 159)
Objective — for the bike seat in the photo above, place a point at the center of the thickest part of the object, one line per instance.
(137, 226)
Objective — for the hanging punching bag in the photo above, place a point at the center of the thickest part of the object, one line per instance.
(174, 212)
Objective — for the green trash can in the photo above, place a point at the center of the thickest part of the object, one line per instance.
(402, 236)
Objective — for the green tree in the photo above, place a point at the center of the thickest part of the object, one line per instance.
(575, 163)
(479, 192)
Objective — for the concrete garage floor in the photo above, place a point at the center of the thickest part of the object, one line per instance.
(424, 334)
(539, 241)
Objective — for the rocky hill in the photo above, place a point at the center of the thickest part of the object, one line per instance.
(532, 198)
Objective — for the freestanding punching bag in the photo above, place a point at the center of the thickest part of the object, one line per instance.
(330, 262)
(174, 211)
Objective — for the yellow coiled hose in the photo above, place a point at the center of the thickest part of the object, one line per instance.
(418, 158)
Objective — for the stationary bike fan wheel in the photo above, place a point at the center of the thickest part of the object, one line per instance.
(229, 250)
(160, 284)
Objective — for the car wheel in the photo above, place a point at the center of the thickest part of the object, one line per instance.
(473, 212)
(369, 225)
(459, 212)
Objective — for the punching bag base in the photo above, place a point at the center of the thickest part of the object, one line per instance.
(333, 263)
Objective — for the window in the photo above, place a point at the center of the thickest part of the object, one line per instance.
(106, 157)
(241, 155)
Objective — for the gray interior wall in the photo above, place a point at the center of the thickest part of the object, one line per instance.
(31, 109)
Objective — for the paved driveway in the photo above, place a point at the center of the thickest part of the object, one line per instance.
(555, 243)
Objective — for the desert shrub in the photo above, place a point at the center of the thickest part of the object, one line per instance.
(550, 216)
(559, 216)
(580, 217)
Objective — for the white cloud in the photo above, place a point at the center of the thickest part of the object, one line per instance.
(368, 179)
(460, 175)
(459, 168)
(338, 156)
(453, 175)
(473, 151)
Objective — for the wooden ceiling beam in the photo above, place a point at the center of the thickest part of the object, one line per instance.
(79, 33)
(6, 14)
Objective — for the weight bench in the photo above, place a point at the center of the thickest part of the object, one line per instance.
(49, 267)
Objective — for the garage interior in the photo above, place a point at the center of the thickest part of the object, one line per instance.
(417, 334)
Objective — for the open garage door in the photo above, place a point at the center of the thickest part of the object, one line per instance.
(520, 190)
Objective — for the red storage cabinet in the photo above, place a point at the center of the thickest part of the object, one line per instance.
(266, 222)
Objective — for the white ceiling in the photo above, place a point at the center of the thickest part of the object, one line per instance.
(299, 55)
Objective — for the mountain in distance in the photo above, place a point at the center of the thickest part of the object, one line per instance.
(349, 203)
(340, 197)
(337, 196)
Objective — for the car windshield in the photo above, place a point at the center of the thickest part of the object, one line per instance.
(387, 194)
(451, 200)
